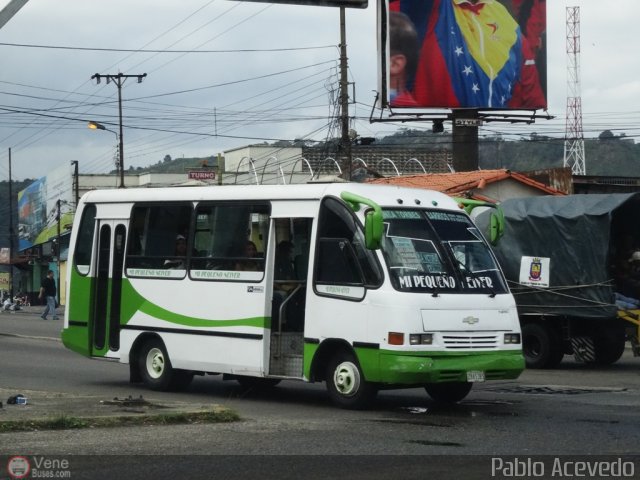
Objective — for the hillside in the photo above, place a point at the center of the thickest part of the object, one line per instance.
(607, 155)
(175, 165)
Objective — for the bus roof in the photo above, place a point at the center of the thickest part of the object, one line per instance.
(384, 195)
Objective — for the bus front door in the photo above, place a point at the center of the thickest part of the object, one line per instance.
(289, 296)
(107, 288)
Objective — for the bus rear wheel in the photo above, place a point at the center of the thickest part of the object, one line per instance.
(450, 392)
(156, 371)
(346, 384)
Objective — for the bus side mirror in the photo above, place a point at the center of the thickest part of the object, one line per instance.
(496, 226)
(496, 217)
(373, 225)
(373, 228)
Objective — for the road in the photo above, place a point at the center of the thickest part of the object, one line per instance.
(574, 410)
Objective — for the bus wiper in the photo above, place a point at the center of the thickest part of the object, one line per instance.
(473, 275)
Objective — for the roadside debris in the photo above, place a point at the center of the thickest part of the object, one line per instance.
(127, 402)
(18, 399)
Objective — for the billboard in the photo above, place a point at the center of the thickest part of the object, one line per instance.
(37, 208)
(485, 54)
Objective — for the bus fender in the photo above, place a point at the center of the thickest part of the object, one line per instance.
(325, 352)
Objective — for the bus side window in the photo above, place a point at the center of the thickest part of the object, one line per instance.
(152, 234)
(223, 233)
(337, 263)
(84, 241)
(340, 234)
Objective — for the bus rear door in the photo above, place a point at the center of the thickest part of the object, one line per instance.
(104, 317)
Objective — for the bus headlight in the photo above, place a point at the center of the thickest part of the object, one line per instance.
(421, 339)
(512, 338)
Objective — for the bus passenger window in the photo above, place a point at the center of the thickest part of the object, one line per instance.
(152, 238)
(84, 242)
(230, 237)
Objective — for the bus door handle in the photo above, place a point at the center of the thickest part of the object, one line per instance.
(284, 304)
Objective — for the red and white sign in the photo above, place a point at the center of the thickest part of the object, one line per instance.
(202, 175)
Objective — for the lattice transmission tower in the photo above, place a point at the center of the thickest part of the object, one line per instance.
(574, 135)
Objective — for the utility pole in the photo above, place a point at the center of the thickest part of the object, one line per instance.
(58, 246)
(345, 139)
(76, 185)
(11, 235)
(119, 80)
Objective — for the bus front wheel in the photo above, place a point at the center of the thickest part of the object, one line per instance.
(155, 368)
(346, 384)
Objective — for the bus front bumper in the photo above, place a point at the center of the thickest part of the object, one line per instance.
(414, 369)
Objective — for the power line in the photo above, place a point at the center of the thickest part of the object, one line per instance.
(145, 50)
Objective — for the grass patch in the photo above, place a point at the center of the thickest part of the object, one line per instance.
(67, 422)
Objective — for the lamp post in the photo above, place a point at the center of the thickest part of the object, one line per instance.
(98, 126)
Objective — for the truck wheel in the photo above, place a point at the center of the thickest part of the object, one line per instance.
(346, 384)
(451, 392)
(609, 344)
(541, 346)
(155, 368)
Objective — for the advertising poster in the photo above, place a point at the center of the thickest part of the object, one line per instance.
(488, 54)
(37, 208)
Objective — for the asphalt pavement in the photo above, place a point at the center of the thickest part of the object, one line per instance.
(44, 405)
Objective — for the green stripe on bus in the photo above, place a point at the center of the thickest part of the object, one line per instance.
(133, 302)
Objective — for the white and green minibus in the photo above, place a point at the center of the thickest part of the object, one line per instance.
(365, 287)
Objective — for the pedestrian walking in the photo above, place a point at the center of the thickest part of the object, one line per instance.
(48, 292)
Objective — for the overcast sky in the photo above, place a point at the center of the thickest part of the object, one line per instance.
(282, 86)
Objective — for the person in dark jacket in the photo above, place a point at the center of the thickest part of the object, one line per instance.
(48, 292)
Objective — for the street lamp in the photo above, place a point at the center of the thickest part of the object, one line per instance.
(98, 126)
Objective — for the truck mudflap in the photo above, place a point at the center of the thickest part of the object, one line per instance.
(632, 316)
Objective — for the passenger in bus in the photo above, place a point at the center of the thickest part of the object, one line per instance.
(284, 262)
(179, 255)
(248, 264)
(284, 270)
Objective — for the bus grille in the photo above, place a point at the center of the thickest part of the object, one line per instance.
(467, 341)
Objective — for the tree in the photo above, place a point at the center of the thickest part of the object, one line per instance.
(167, 158)
(606, 135)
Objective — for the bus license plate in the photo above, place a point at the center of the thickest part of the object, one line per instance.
(475, 376)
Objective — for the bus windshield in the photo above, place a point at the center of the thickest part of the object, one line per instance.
(438, 252)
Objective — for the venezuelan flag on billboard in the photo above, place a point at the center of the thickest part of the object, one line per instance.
(486, 54)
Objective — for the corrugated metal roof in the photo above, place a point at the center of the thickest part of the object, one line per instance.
(462, 182)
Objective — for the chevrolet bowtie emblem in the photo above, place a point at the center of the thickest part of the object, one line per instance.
(470, 320)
